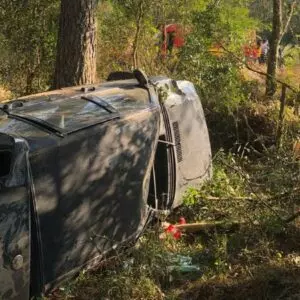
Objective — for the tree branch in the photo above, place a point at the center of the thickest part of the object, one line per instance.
(258, 198)
(279, 196)
(293, 217)
(257, 71)
(137, 33)
(216, 3)
(289, 18)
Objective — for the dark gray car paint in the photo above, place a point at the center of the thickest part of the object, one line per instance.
(15, 223)
(95, 193)
(89, 189)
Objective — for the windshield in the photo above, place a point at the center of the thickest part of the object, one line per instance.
(66, 115)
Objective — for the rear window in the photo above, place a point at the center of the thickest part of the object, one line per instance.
(65, 115)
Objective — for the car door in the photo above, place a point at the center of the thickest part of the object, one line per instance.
(14, 219)
(91, 189)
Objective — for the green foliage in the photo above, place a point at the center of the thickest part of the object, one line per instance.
(226, 182)
(114, 39)
(118, 21)
(27, 41)
(291, 55)
(223, 185)
(217, 76)
(262, 10)
(221, 253)
(138, 274)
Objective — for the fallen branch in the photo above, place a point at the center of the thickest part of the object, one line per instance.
(226, 198)
(275, 197)
(207, 225)
(285, 194)
(293, 217)
(248, 125)
(256, 151)
(258, 198)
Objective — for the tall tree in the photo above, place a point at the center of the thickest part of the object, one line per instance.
(139, 20)
(274, 46)
(289, 16)
(279, 29)
(76, 47)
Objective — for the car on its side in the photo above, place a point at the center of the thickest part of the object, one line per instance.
(84, 169)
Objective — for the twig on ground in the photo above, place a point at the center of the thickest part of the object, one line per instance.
(258, 198)
(227, 198)
(206, 225)
(275, 197)
(293, 217)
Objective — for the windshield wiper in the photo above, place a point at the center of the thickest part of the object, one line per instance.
(11, 105)
(38, 123)
(101, 103)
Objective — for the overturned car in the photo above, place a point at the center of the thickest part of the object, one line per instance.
(84, 169)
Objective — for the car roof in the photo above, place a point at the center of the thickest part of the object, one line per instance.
(130, 87)
(43, 117)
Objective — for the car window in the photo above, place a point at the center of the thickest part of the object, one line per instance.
(13, 126)
(66, 115)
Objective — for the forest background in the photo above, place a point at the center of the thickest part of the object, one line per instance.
(252, 111)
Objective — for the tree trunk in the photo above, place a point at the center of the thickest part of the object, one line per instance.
(137, 34)
(288, 20)
(274, 45)
(76, 45)
(281, 117)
